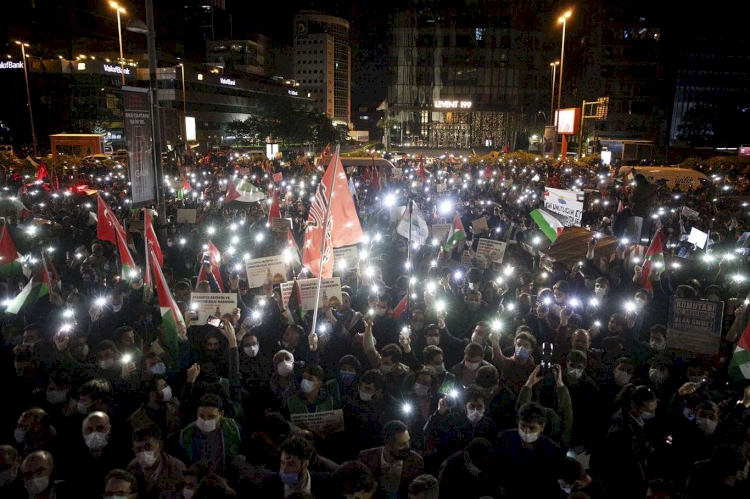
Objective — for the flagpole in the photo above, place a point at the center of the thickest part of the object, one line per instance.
(323, 237)
(408, 259)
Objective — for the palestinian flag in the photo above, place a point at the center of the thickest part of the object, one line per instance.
(38, 286)
(242, 191)
(292, 248)
(653, 264)
(294, 308)
(739, 367)
(170, 313)
(456, 233)
(548, 223)
(127, 264)
(11, 261)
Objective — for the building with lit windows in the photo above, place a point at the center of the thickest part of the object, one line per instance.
(466, 75)
(322, 62)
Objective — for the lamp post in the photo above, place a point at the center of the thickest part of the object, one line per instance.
(184, 101)
(553, 65)
(148, 29)
(28, 97)
(119, 10)
(562, 19)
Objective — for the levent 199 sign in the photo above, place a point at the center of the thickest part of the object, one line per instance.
(452, 104)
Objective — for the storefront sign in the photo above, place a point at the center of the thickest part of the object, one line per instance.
(228, 81)
(452, 104)
(292, 92)
(116, 69)
(11, 65)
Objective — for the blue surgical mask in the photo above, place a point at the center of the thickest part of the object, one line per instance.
(159, 368)
(347, 376)
(290, 479)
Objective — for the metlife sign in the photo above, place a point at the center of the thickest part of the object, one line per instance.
(11, 65)
(116, 69)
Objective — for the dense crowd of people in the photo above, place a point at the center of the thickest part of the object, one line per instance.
(529, 378)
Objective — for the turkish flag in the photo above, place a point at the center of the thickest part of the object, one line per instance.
(151, 239)
(105, 229)
(342, 227)
(275, 211)
(214, 257)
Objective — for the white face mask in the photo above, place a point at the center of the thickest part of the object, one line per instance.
(474, 415)
(106, 364)
(188, 493)
(432, 340)
(307, 386)
(285, 368)
(365, 396)
(36, 485)
(622, 378)
(656, 375)
(706, 425)
(639, 303)
(421, 390)
(529, 437)
(439, 369)
(657, 345)
(252, 350)
(471, 366)
(645, 415)
(386, 369)
(158, 368)
(522, 353)
(95, 440)
(575, 373)
(601, 292)
(147, 458)
(206, 425)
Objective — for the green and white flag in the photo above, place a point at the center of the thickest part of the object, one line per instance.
(456, 234)
(548, 223)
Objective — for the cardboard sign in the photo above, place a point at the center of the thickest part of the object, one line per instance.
(479, 225)
(320, 422)
(281, 224)
(186, 215)
(265, 271)
(489, 252)
(569, 204)
(345, 258)
(216, 304)
(695, 325)
(308, 287)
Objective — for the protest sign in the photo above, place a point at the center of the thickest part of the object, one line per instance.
(690, 213)
(440, 231)
(569, 204)
(216, 304)
(281, 224)
(698, 238)
(345, 257)
(489, 252)
(186, 215)
(694, 325)
(466, 259)
(307, 287)
(265, 271)
(479, 225)
(320, 422)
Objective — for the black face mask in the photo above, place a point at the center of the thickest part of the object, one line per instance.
(402, 454)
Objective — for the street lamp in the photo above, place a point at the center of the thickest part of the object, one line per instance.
(553, 65)
(119, 10)
(28, 97)
(562, 19)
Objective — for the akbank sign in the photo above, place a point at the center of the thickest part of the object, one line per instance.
(11, 65)
(116, 69)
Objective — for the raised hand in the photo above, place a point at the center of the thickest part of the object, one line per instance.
(193, 372)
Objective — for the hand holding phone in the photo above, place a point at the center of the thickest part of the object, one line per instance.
(215, 322)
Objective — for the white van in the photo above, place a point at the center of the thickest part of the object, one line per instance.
(684, 178)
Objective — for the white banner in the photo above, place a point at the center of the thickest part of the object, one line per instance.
(569, 204)
(266, 271)
(320, 422)
(308, 287)
(419, 230)
(216, 304)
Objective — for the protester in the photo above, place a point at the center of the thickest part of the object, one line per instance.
(498, 351)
